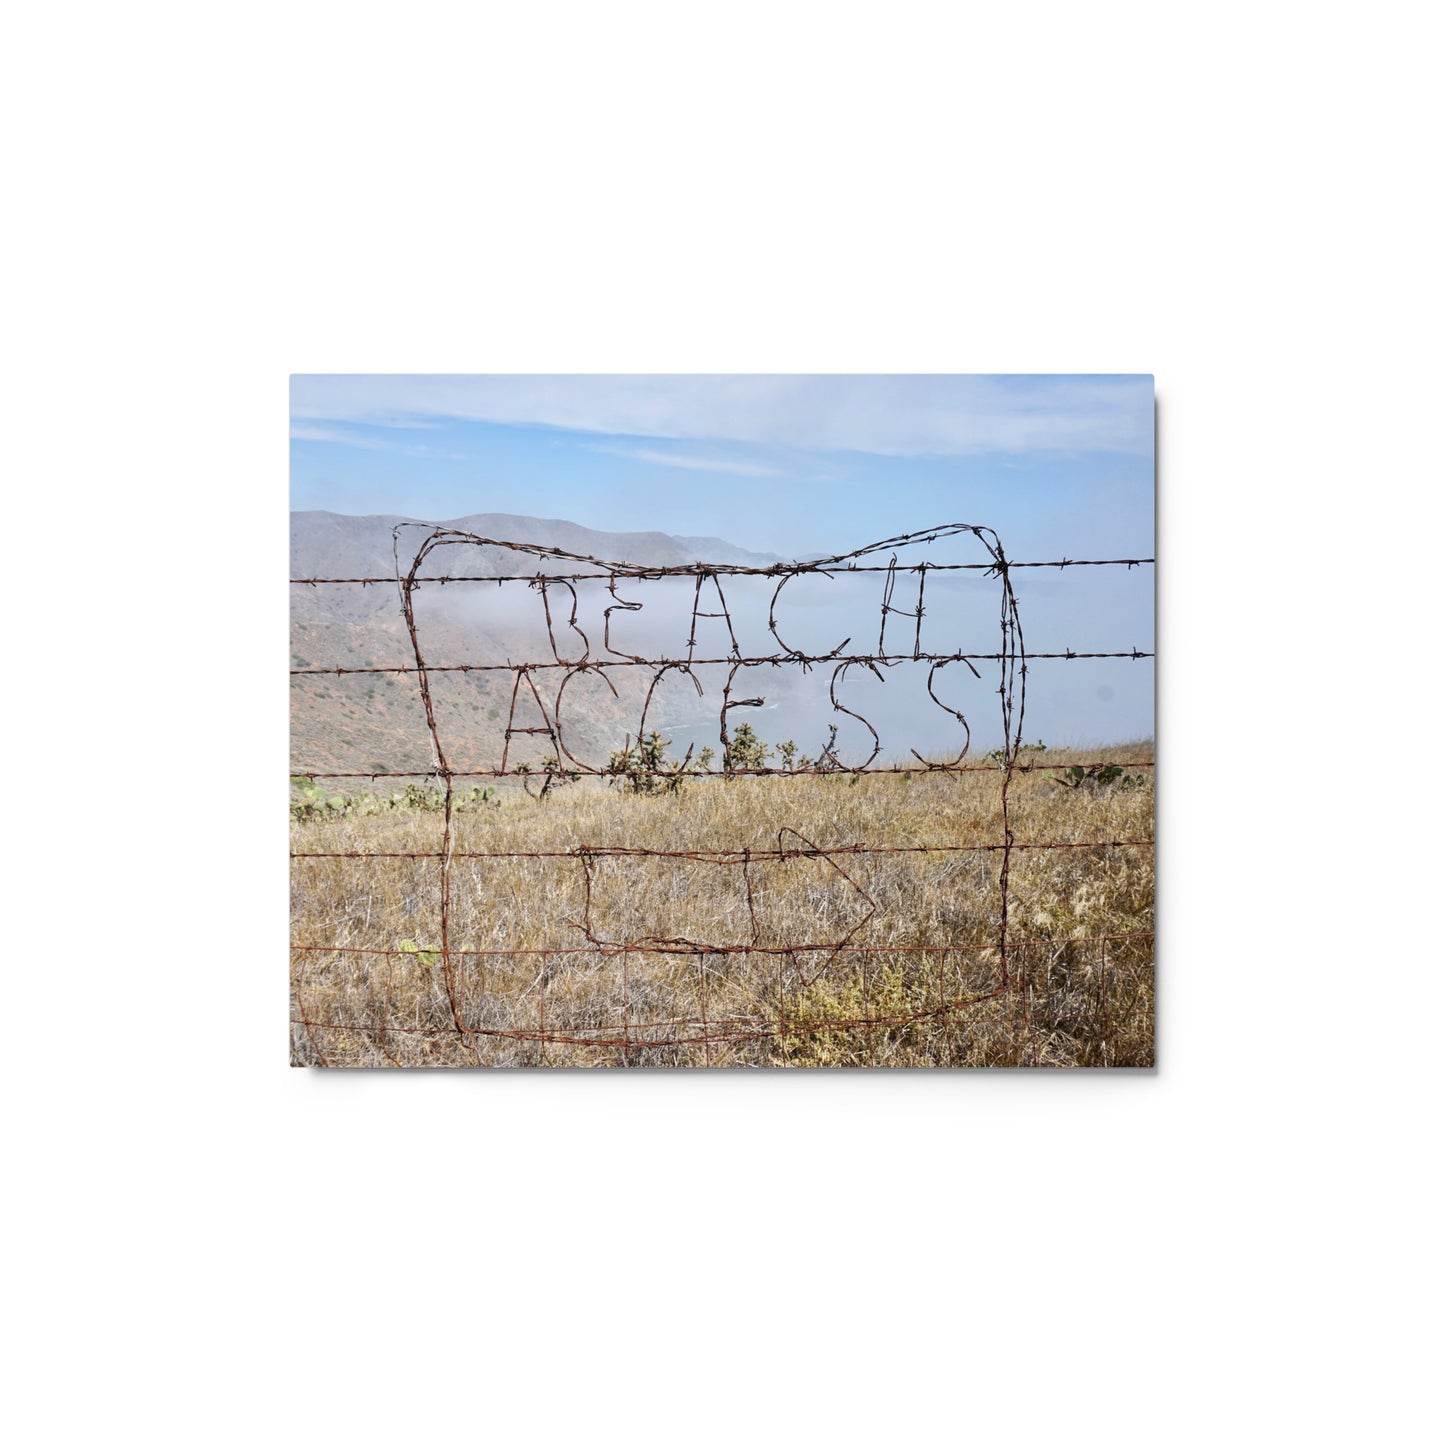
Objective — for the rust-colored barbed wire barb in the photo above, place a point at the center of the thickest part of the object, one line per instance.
(834, 771)
(862, 658)
(739, 855)
(542, 715)
(722, 948)
(691, 568)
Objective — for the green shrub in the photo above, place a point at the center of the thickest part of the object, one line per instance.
(890, 994)
(745, 750)
(1000, 755)
(314, 802)
(648, 770)
(427, 957)
(553, 775)
(1097, 776)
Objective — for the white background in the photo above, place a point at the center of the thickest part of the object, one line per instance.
(207, 1245)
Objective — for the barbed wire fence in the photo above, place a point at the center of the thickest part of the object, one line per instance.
(799, 964)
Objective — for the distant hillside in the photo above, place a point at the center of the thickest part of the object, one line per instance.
(362, 546)
(376, 723)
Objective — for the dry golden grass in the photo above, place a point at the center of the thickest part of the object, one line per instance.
(922, 928)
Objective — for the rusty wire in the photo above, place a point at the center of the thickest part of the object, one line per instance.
(622, 569)
(861, 658)
(736, 855)
(1011, 658)
(843, 770)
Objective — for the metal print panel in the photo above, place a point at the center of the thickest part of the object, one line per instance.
(853, 783)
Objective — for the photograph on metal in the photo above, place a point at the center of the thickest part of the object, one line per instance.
(619, 739)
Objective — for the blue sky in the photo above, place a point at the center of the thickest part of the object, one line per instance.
(1059, 466)
(779, 464)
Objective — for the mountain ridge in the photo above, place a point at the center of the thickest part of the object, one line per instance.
(372, 722)
(364, 541)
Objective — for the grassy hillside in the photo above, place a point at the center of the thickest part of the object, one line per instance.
(916, 982)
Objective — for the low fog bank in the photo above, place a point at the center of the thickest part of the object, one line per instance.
(711, 625)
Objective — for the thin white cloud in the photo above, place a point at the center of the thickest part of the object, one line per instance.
(691, 463)
(885, 415)
(306, 433)
(309, 432)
